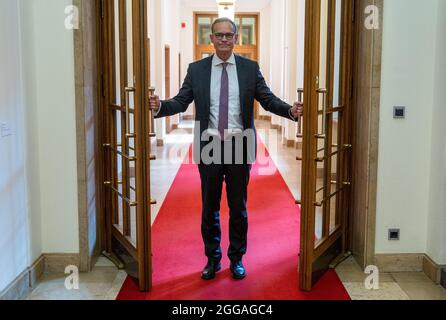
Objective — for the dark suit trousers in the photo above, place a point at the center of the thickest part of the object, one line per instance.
(236, 177)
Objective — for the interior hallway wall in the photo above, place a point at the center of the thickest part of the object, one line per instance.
(156, 27)
(39, 208)
(436, 228)
(172, 35)
(15, 242)
(50, 91)
(293, 65)
(164, 29)
(405, 151)
(277, 52)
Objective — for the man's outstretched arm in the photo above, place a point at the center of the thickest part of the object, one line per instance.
(272, 103)
(178, 104)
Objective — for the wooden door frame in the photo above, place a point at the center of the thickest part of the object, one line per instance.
(365, 122)
(88, 93)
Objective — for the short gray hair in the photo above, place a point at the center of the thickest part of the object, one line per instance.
(221, 20)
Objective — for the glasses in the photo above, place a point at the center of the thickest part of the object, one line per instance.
(220, 36)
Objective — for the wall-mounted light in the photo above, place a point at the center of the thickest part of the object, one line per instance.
(226, 9)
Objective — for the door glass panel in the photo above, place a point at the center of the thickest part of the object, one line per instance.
(118, 129)
(120, 190)
(130, 72)
(335, 185)
(333, 205)
(323, 48)
(249, 31)
(133, 221)
(335, 132)
(318, 225)
(337, 54)
(204, 30)
(117, 75)
(237, 23)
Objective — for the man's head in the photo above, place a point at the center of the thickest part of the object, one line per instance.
(224, 37)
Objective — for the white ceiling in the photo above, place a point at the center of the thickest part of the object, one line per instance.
(239, 5)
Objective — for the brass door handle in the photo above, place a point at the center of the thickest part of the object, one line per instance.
(324, 92)
(128, 90)
(152, 133)
(300, 93)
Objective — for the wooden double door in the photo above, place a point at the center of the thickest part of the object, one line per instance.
(126, 133)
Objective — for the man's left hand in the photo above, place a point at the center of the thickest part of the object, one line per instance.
(297, 110)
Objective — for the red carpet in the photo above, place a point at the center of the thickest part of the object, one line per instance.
(273, 245)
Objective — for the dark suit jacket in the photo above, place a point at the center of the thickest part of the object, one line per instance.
(196, 88)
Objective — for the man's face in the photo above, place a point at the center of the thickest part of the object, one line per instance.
(224, 38)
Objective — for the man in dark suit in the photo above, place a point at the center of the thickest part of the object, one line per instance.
(224, 87)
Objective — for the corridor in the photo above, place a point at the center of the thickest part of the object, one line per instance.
(87, 172)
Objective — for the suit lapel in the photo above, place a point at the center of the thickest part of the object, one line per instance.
(241, 81)
(207, 84)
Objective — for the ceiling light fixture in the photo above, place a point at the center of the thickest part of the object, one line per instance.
(226, 9)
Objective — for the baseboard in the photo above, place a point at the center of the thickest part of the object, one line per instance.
(57, 262)
(188, 117)
(443, 277)
(277, 127)
(22, 286)
(36, 271)
(432, 270)
(265, 118)
(19, 289)
(399, 262)
(417, 262)
(288, 143)
(299, 144)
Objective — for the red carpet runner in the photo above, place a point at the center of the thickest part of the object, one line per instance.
(273, 245)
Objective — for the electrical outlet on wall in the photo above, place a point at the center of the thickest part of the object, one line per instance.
(394, 234)
(399, 112)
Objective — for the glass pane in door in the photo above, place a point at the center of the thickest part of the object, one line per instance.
(248, 31)
(204, 30)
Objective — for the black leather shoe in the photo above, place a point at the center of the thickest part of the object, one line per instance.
(238, 270)
(210, 270)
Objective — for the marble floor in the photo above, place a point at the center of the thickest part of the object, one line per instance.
(105, 280)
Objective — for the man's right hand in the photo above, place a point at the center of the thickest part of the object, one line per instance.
(154, 103)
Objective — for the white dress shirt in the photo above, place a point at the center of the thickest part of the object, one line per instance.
(235, 121)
